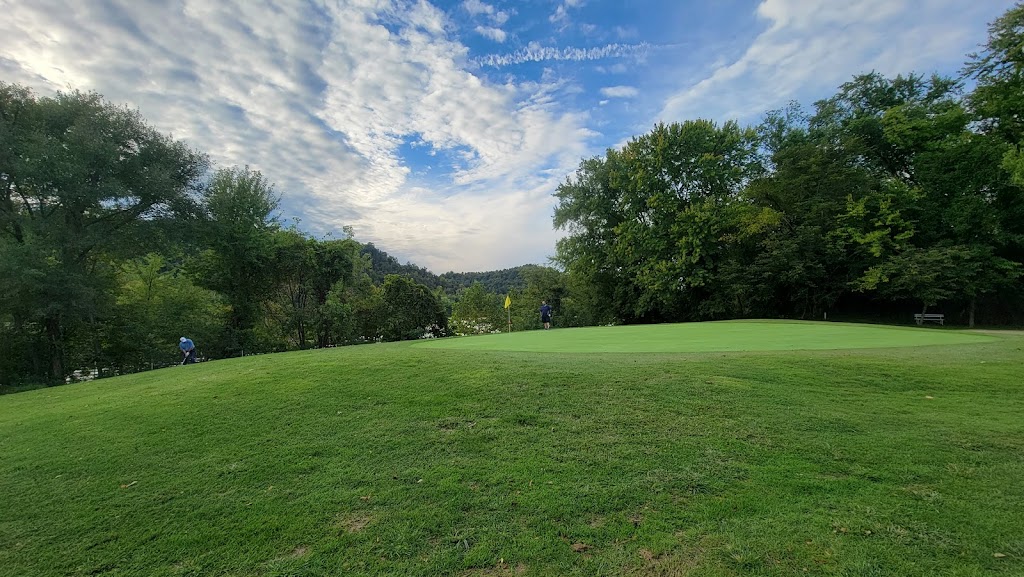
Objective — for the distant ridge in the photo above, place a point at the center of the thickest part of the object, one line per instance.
(495, 281)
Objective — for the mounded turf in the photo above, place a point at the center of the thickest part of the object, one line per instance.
(396, 459)
(714, 336)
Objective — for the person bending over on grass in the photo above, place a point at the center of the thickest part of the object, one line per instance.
(188, 349)
(545, 314)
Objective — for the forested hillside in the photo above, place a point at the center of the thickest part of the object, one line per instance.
(383, 264)
(495, 281)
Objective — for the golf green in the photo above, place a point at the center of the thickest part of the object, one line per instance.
(712, 336)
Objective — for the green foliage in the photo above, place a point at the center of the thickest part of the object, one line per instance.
(79, 179)
(355, 308)
(383, 264)
(307, 271)
(935, 274)
(478, 311)
(408, 310)
(647, 224)
(156, 304)
(998, 99)
(239, 232)
(544, 284)
(1013, 162)
(495, 281)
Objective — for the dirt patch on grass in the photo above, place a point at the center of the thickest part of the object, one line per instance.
(674, 564)
(296, 553)
(350, 523)
(500, 570)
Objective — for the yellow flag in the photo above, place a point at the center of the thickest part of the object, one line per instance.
(508, 301)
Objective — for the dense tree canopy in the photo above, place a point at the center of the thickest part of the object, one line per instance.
(82, 183)
(895, 194)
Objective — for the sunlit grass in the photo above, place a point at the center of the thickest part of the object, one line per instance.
(403, 460)
(714, 336)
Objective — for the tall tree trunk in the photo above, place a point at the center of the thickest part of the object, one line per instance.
(970, 316)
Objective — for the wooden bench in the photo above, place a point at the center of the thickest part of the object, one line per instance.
(933, 317)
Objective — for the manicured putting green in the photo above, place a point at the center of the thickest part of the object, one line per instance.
(712, 336)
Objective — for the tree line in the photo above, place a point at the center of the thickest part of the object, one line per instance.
(893, 196)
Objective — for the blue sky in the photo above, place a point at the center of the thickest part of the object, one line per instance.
(439, 130)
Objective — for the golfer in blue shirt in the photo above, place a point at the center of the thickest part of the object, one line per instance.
(188, 349)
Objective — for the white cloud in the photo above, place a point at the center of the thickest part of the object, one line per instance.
(617, 68)
(561, 13)
(478, 8)
(534, 52)
(321, 99)
(811, 47)
(619, 92)
(496, 34)
(625, 32)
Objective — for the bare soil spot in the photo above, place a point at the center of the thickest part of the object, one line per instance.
(352, 523)
(675, 564)
(499, 570)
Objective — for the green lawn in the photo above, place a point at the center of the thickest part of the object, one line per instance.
(705, 337)
(406, 459)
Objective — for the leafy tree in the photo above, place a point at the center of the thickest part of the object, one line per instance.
(383, 264)
(932, 275)
(785, 259)
(355, 307)
(647, 223)
(497, 281)
(939, 200)
(239, 231)
(589, 211)
(998, 98)
(478, 311)
(306, 271)
(997, 104)
(80, 178)
(409, 310)
(544, 284)
(157, 303)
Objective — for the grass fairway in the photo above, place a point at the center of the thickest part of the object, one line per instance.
(402, 459)
(707, 337)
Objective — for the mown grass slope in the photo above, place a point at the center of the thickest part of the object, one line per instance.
(403, 460)
(712, 337)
